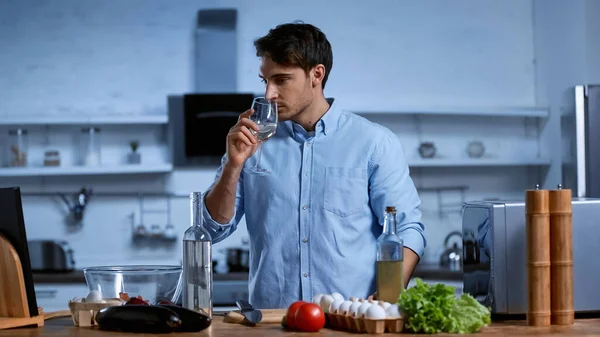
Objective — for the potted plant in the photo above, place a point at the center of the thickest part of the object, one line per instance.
(134, 157)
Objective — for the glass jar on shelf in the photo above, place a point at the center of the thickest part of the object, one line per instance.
(18, 145)
(90, 146)
(51, 158)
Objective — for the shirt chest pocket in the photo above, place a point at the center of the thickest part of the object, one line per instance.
(346, 190)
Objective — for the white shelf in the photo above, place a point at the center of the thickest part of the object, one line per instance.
(457, 111)
(83, 120)
(82, 170)
(443, 162)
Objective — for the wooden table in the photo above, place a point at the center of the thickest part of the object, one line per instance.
(64, 327)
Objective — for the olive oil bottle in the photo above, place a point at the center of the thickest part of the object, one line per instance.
(390, 260)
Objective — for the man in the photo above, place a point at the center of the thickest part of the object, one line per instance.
(314, 218)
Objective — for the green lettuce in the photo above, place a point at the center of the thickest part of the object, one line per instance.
(433, 308)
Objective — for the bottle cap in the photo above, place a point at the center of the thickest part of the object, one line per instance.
(390, 209)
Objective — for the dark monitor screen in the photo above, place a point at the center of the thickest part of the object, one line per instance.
(12, 227)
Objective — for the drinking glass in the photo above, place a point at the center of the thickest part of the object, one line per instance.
(265, 116)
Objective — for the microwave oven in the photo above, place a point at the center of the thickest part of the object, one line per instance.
(199, 124)
(495, 255)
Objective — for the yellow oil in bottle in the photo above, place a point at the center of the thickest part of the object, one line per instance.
(390, 280)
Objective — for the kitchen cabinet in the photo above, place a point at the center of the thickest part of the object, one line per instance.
(56, 296)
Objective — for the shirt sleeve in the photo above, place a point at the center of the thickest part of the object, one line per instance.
(391, 185)
(220, 231)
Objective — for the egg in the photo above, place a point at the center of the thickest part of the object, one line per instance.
(375, 312)
(360, 313)
(344, 307)
(317, 299)
(337, 296)
(354, 309)
(393, 311)
(94, 296)
(335, 305)
(385, 305)
(325, 302)
(77, 299)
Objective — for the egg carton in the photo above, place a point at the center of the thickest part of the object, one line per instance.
(351, 323)
(365, 325)
(84, 313)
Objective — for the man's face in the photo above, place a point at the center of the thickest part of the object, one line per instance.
(290, 87)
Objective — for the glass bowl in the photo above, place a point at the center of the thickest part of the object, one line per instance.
(153, 283)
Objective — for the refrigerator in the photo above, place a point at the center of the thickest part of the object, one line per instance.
(581, 133)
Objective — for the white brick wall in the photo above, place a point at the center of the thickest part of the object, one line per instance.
(125, 57)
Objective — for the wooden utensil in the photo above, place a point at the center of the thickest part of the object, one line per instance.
(269, 316)
(14, 310)
(561, 256)
(538, 256)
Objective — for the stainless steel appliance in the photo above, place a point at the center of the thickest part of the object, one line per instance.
(581, 131)
(494, 254)
(199, 124)
(50, 256)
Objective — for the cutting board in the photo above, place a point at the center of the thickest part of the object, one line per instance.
(269, 316)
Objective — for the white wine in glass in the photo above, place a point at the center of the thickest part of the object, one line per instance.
(265, 131)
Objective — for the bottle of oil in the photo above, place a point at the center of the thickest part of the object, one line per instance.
(390, 260)
(197, 261)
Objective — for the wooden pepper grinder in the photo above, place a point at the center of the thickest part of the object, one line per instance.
(561, 256)
(538, 256)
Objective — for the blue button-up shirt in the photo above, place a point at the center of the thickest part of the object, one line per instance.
(314, 219)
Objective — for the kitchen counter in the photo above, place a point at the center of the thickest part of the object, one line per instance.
(423, 270)
(64, 327)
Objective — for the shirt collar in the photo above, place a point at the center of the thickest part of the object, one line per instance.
(325, 125)
(330, 119)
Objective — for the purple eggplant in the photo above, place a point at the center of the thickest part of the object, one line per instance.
(138, 318)
(191, 321)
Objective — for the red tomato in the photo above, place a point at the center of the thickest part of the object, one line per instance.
(291, 314)
(310, 318)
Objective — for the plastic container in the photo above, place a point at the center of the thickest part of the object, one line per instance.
(52, 158)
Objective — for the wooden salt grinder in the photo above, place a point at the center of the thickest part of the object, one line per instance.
(537, 219)
(561, 257)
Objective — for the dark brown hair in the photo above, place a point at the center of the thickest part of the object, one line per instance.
(297, 44)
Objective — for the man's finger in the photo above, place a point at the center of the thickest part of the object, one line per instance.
(246, 114)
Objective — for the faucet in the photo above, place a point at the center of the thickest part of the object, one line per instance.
(81, 200)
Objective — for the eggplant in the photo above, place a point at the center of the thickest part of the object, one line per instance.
(138, 318)
(191, 321)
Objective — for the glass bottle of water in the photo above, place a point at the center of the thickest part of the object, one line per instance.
(390, 260)
(197, 261)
